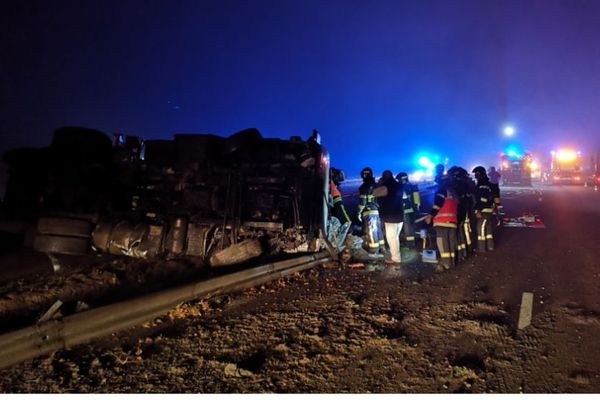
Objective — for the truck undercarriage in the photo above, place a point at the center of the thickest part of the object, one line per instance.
(217, 200)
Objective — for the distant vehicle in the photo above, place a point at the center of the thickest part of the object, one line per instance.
(565, 167)
(516, 168)
(592, 172)
(597, 179)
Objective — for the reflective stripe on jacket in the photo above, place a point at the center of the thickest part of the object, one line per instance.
(485, 198)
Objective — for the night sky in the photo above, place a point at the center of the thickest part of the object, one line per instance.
(381, 80)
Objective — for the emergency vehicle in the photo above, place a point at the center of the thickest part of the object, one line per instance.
(565, 167)
(516, 168)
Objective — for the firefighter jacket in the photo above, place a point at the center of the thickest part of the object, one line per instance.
(466, 197)
(484, 198)
(337, 206)
(391, 207)
(411, 198)
(335, 192)
(366, 199)
(447, 214)
(439, 197)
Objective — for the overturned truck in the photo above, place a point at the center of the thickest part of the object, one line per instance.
(217, 200)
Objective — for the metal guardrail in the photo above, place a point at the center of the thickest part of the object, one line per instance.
(46, 337)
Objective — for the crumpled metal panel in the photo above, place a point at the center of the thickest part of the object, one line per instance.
(126, 238)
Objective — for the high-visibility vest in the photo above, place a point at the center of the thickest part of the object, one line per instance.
(447, 214)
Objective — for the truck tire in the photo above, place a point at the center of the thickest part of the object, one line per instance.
(61, 244)
(64, 227)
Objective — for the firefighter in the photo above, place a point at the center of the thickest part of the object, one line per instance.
(439, 174)
(411, 204)
(389, 194)
(464, 190)
(494, 177)
(368, 213)
(336, 176)
(484, 207)
(445, 221)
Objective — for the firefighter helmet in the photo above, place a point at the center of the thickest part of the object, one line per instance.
(402, 177)
(337, 175)
(457, 172)
(479, 170)
(366, 172)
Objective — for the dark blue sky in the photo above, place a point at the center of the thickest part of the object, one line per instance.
(381, 80)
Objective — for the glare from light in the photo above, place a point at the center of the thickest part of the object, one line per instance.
(566, 155)
(420, 175)
(424, 161)
(509, 131)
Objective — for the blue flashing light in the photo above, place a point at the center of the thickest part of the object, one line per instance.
(424, 161)
(513, 151)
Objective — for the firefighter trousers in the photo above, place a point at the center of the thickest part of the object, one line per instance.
(339, 211)
(485, 237)
(446, 244)
(464, 239)
(408, 228)
(372, 231)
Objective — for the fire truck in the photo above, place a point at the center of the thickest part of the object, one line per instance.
(565, 167)
(516, 168)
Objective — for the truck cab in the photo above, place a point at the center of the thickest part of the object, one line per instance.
(566, 167)
(516, 168)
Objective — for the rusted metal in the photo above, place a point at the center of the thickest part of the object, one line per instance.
(79, 328)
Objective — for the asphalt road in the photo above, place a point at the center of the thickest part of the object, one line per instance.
(559, 264)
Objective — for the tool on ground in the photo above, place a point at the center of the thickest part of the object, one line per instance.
(427, 255)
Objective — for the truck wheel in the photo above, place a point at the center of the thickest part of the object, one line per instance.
(64, 227)
(61, 244)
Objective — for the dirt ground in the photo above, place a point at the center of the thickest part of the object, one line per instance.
(401, 330)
